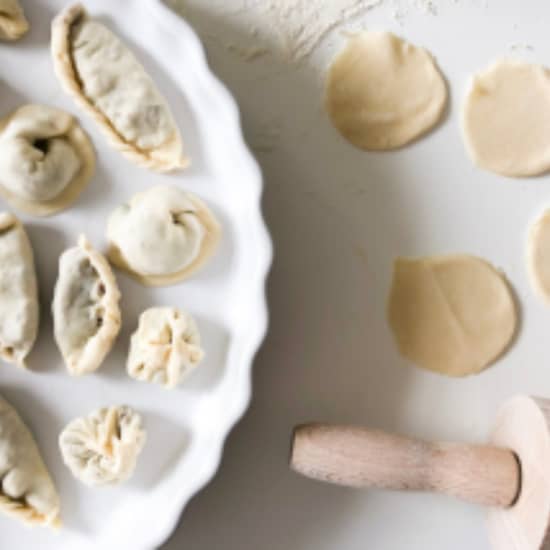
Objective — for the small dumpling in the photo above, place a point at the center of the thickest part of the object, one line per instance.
(165, 348)
(19, 309)
(27, 491)
(109, 83)
(86, 314)
(13, 23)
(102, 448)
(46, 159)
(162, 235)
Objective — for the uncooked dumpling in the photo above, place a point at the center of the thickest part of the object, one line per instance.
(162, 235)
(538, 255)
(27, 491)
(451, 314)
(46, 159)
(506, 119)
(19, 309)
(86, 313)
(102, 448)
(106, 80)
(165, 348)
(13, 23)
(382, 92)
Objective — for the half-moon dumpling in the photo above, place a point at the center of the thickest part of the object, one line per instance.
(27, 491)
(165, 348)
(162, 235)
(46, 159)
(19, 309)
(13, 24)
(102, 448)
(109, 83)
(86, 314)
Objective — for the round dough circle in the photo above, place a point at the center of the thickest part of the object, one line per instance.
(382, 92)
(506, 119)
(451, 314)
(538, 255)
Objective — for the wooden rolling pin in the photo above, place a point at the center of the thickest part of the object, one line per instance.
(511, 475)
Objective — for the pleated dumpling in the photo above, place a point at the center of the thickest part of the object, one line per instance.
(13, 23)
(102, 448)
(46, 159)
(27, 491)
(106, 80)
(19, 309)
(163, 235)
(165, 348)
(86, 313)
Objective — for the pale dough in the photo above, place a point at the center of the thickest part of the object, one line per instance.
(538, 255)
(451, 314)
(382, 92)
(506, 119)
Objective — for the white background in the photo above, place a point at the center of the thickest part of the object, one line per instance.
(338, 218)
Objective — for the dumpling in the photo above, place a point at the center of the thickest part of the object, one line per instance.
(165, 348)
(102, 448)
(13, 24)
(108, 82)
(19, 309)
(86, 314)
(162, 235)
(46, 159)
(27, 491)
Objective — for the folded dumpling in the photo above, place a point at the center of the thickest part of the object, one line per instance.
(27, 491)
(86, 314)
(13, 24)
(46, 159)
(165, 348)
(110, 84)
(19, 309)
(162, 235)
(102, 448)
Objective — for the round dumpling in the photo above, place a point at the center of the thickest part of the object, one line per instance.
(165, 348)
(102, 448)
(13, 23)
(46, 159)
(162, 235)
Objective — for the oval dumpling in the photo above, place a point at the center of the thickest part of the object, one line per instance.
(165, 348)
(86, 311)
(107, 81)
(46, 159)
(102, 448)
(163, 235)
(27, 491)
(19, 309)
(13, 23)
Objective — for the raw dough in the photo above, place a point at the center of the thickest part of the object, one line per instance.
(382, 92)
(451, 314)
(506, 119)
(538, 255)
(46, 159)
(13, 24)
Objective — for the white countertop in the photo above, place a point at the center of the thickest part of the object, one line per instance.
(337, 217)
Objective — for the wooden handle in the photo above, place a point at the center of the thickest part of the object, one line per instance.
(358, 457)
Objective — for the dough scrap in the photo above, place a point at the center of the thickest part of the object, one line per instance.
(27, 491)
(46, 159)
(451, 314)
(165, 348)
(538, 256)
(382, 92)
(162, 235)
(107, 81)
(506, 119)
(13, 23)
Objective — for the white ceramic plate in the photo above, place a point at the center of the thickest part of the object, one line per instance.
(186, 427)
